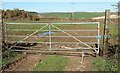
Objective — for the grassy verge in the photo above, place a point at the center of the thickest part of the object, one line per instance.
(101, 64)
(52, 63)
(114, 33)
(10, 58)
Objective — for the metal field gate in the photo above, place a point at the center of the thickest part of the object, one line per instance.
(54, 36)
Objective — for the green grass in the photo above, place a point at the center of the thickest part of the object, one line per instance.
(22, 32)
(33, 26)
(39, 40)
(101, 64)
(114, 31)
(88, 14)
(77, 15)
(63, 15)
(11, 57)
(36, 27)
(52, 63)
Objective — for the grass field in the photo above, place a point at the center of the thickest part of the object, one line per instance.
(76, 15)
(52, 63)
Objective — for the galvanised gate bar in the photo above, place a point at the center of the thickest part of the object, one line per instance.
(54, 37)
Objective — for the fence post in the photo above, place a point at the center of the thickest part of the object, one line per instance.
(118, 51)
(106, 31)
(1, 41)
(118, 22)
(3, 33)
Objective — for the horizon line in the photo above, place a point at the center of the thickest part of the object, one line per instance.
(55, 11)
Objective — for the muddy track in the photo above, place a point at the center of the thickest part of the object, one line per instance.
(26, 64)
(30, 60)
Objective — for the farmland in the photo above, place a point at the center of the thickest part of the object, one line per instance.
(76, 14)
(45, 62)
(28, 29)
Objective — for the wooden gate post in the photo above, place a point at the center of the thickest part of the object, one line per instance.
(118, 22)
(106, 31)
(118, 51)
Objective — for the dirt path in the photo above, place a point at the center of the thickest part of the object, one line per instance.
(28, 63)
(76, 65)
(102, 17)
